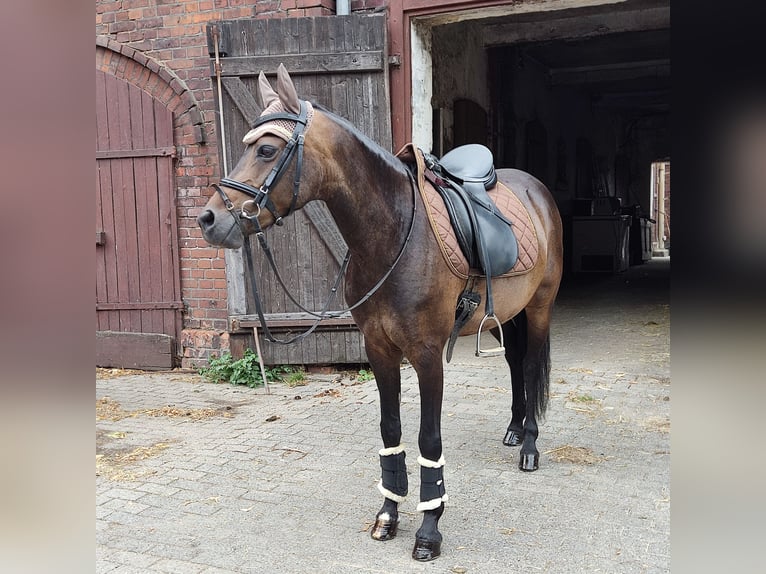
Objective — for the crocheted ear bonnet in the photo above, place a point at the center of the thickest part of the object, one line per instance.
(280, 128)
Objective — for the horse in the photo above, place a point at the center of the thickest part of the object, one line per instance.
(404, 293)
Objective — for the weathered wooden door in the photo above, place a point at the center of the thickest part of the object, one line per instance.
(138, 307)
(341, 63)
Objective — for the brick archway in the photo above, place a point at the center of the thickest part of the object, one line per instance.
(202, 275)
(142, 71)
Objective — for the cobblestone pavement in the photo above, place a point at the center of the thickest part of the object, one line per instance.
(193, 477)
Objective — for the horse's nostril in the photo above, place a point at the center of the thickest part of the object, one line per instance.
(206, 219)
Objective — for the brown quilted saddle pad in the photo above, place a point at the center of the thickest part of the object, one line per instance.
(505, 200)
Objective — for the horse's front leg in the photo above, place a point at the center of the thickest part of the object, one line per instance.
(393, 470)
(429, 368)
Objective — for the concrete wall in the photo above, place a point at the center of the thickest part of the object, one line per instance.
(459, 71)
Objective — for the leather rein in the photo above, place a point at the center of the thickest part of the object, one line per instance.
(261, 199)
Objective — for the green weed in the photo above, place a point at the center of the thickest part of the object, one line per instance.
(365, 375)
(244, 371)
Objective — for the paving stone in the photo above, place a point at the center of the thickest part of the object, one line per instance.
(239, 494)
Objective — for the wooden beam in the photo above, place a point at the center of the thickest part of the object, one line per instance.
(242, 98)
(291, 321)
(610, 73)
(320, 217)
(573, 26)
(344, 62)
(151, 351)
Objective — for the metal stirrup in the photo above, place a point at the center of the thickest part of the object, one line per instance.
(495, 351)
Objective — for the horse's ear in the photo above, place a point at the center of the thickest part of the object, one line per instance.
(286, 89)
(268, 95)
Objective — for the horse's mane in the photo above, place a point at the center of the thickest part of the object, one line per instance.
(372, 146)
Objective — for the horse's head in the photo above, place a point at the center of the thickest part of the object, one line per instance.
(264, 185)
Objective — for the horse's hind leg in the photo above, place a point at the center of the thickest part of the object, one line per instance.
(393, 483)
(515, 338)
(536, 369)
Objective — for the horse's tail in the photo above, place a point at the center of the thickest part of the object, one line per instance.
(537, 396)
(543, 378)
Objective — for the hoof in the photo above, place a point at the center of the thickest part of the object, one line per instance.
(529, 462)
(426, 550)
(384, 528)
(513, 438)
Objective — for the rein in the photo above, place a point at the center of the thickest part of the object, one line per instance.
(261, 199)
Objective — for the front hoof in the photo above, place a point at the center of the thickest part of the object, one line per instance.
(384, 528)
(529, 462)
(513, 438)
(426, 550)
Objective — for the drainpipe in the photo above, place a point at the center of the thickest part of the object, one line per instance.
(342, 7)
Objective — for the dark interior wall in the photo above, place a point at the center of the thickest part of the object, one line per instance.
(529, 115)
(563, 134)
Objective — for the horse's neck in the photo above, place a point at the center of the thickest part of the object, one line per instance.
(371, 203)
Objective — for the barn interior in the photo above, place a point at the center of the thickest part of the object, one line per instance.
(580, 98)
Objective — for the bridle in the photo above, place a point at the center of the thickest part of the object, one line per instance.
(261, 199)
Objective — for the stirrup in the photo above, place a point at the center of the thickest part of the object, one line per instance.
(495, 351)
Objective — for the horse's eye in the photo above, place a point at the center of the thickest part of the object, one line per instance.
(267, 151)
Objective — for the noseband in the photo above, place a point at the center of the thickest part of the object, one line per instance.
(261, 199)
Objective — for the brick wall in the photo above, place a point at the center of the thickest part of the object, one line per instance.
(359, 5)
(160, 45)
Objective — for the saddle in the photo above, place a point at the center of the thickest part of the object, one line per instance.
(461, 194)
(462, 177)
(485, 236)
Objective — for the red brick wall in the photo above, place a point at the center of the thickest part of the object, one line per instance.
(358, 5)
(160, 45)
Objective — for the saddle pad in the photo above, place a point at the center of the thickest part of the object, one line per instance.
(505, 200)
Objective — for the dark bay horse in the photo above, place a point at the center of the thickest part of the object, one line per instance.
(297, 153)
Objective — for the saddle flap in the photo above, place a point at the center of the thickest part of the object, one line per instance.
(485, 237)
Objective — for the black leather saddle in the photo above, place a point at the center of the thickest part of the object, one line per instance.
(462, 178)
(485, 236)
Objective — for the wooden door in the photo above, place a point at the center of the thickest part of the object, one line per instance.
(138, 307)
(341, 63)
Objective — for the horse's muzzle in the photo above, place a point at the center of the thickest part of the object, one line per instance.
(206, 220)
(220, 228)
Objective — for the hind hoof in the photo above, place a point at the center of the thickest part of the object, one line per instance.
(384, 529)
(529, 462)
(513, 438)
(426, 550)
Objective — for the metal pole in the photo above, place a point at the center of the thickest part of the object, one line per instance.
(260, 360)
(220, 102)
(342, 7)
